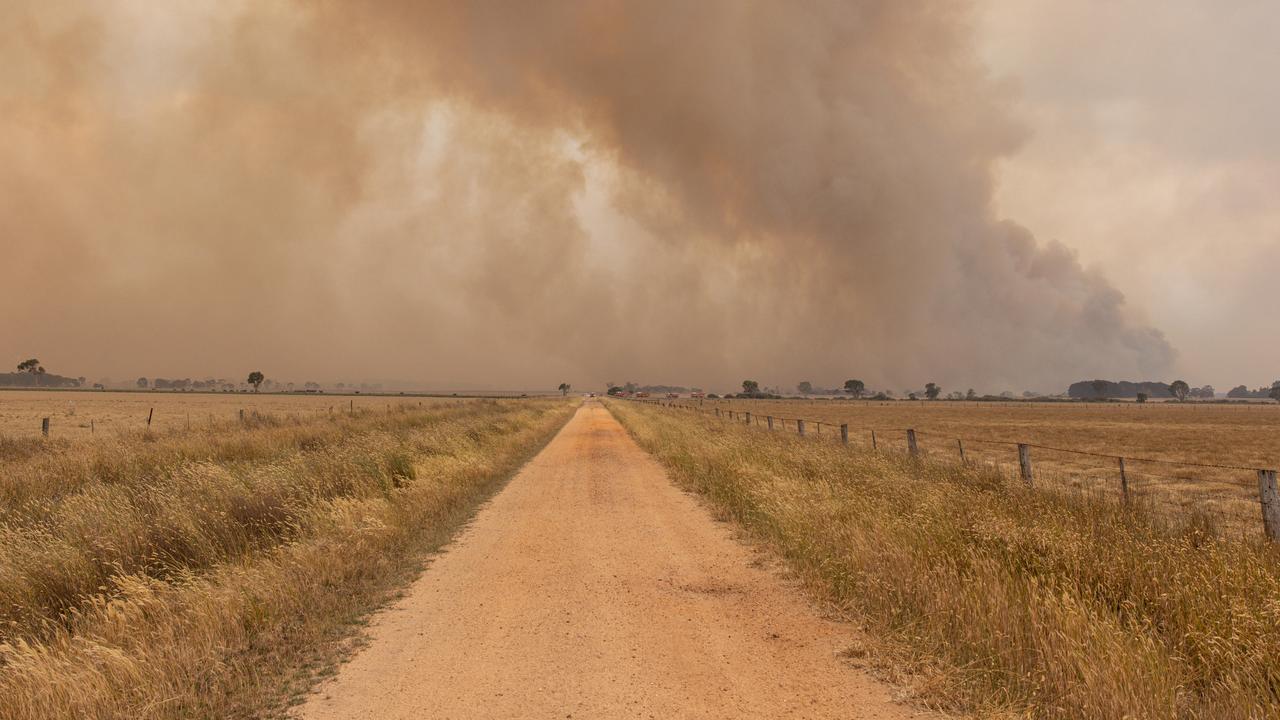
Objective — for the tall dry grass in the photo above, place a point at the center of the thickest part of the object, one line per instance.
(209, 573)
(999, 599)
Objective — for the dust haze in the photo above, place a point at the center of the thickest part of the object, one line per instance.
(515, 194)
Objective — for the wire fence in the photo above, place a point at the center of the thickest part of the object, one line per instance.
(910, 441)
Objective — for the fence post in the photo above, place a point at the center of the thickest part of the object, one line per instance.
(149, 413)
(748, 418)
(91, 430)
(800, 427)
(873, 441)
(960, 444)
(911, 443)
(1124, 483)
(844, 433)
(770, 419)
(242, 415)
(1024, 462)
(1270, 504)
(44, 427)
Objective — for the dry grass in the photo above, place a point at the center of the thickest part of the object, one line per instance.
(71, 412)
(995, 598)
(209, 573)
(1242, 435)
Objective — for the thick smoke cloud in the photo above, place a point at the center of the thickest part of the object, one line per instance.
(519, 193)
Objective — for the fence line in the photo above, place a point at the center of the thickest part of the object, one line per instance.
(1268, 490)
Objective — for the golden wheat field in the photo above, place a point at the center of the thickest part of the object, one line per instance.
(1243, 435)
(78, 414)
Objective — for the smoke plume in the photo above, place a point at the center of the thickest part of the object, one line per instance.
(515, 194)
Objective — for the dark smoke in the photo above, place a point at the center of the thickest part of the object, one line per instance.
(519, 193)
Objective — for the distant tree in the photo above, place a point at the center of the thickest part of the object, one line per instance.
(564, 388)
(1275, 393)
(805, 387)
(1204, 393)
(256, 378)
(854, 387)
(614, 390)
(750, 387)
(30, 366)
(1099, 388)
(1179, 389)
(931, 390)
(99, 386)
(971, 395)
(912, 396)
(1142, 397)
(955, 395)
(80, 381)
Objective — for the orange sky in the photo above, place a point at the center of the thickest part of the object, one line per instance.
(649, 191)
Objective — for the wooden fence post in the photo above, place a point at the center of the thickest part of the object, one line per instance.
(242, 415)
(1024, 462)
(91, 429)
(800, 427)
(960, 444)
(1270, 504)
(44, 427)
(748, 418)
(149, 413)
(1124, 483)
(873, 441)
(844, 433)
(911, 443)
(770, 419)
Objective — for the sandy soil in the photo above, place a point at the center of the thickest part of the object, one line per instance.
(591, 587)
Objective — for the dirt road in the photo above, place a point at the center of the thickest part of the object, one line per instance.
(592, 588)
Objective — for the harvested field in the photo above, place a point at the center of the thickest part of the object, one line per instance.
(74, 414)
(1242, 435)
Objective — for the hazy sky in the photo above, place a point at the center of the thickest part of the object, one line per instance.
(1154, 152)
(659, 191)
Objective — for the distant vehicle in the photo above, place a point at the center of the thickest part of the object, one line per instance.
(642, 394)
(591, 394)
(673, 395)
(697, 394)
